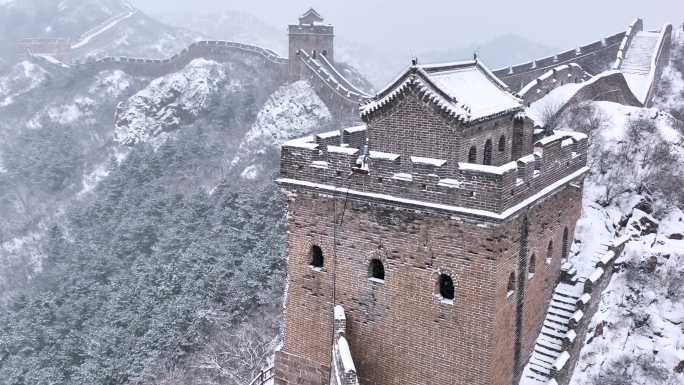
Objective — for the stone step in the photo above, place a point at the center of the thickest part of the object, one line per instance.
(563, 299)
(560, 312)
(535, 379)
(540, 369)
(563, 305)
(557, 327)
(542, 360)
(547, 331)
(547, 352)
(550, 344)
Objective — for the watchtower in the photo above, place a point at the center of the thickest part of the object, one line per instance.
(439, 227)
(311, 35)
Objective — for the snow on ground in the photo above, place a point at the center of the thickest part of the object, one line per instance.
(22, 78)
(637, 336)
(552, 102)
(292, 111)
(162, 104)
(104, 27)
(111, 84)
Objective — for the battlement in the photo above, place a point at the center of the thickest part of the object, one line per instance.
(327, 163)
(593, 58)
(318, 29)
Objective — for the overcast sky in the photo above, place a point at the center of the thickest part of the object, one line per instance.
(421, 24)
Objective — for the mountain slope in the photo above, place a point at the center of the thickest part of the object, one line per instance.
(634, 188)
(130, 242)
(93, 27)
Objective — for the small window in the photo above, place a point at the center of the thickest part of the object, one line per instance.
(472, 155)
(446, 287)
(549, 253)
(532, 267)
(376, 270)
(566, 244)
(488, 153)
(316, 256)
(510, 289)
(502, 143)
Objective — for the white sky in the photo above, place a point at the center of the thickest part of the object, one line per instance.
(432, 24)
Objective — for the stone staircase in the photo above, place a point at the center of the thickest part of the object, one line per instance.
(563, 314)
(640, 53)
(574, 302)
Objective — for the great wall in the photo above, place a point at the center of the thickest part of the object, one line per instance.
(590, 65)
(425, 217)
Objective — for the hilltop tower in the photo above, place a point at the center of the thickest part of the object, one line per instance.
(311, 35)
(424, 250)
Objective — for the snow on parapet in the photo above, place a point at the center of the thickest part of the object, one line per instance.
(428, 161)
(383, 156)
(466, 91)
(463, 187)
(353, 130)
(494, 170)
(636, 26)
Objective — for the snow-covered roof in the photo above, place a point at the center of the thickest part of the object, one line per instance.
(310, 17)
(466, 91)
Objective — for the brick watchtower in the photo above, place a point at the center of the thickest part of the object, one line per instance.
(439, 227)
(310, 35)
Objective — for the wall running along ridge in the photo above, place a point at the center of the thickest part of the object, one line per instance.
(341, 97)
(593, 58)
(212, 50)
(556, 77)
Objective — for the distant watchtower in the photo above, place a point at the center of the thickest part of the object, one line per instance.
(424, 249)
(310, 35)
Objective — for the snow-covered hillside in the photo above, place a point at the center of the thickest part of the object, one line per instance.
(634, 189)
(23, 77)
(170, 100)
(94, 28)
(294, 110)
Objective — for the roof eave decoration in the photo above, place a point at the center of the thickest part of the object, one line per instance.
(417, 78)
(311, 12)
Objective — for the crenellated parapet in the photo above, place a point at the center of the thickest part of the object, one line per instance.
(634, 28)
(552, 79)
(594, 58)
(215, 50)
(323, 162)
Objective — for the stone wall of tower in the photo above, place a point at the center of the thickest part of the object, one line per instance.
(400, 331)
(309, 38)
(413, 128)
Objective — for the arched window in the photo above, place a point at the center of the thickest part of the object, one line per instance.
(502, 143)
(549, 253)
(566, 246)
(532, 267)
(488, 152)
(510, 289)
(446, 287)
(472, 155)
(518, 138)
(376, 270)
(316, 256)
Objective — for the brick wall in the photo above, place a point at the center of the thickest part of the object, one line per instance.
(413, 128)
(594, 58)
(212, 50)
(556, 77)
(309, 38)
(399, 330)
(494, 190)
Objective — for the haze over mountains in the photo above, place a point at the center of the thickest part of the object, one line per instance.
(141, 234)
